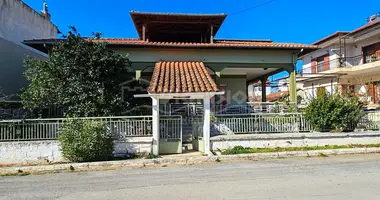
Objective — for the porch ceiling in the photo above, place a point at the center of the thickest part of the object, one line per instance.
(250, 73)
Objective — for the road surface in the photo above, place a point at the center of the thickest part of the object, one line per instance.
(341, 177)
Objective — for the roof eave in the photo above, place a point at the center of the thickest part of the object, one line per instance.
(209, 46)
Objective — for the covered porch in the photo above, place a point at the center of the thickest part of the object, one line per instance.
(180, 81)
(195, 94)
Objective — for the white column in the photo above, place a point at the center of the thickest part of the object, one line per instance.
(156, 125)
(206, 125)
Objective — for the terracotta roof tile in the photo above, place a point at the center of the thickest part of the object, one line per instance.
(216, 44)
(366, 26)
(329, 37)
(222, 44)
(181, 77)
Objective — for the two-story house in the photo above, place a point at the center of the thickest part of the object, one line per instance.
(181, 60)
(345, 60)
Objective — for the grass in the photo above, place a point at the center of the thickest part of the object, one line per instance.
(245, 150)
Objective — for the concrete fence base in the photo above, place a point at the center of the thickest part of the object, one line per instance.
(223, 142)
(37, 152)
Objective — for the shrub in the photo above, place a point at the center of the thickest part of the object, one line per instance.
(86, 140)
(334, 112)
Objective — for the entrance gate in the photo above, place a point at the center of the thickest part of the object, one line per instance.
(170, 134)
(191, 114)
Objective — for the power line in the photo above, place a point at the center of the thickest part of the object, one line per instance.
(253, 7)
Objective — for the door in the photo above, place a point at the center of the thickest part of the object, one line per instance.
(326, 62)
(314, 66)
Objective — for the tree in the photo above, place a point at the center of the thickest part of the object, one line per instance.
(81, 76)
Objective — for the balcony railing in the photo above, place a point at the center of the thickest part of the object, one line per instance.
(340, 62)
(351, 61)
(372, 58)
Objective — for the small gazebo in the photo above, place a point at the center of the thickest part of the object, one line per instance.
(181, 80)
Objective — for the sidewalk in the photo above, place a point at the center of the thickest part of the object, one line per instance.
(173, 160)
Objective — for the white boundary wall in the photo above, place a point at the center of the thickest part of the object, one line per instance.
(49, 150)
(293, 140)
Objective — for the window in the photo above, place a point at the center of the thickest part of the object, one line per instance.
(371, 53)
(320, 64)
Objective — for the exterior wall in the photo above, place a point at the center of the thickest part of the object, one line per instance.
(306, 61)
(355, 49)
(214, 58)
(29, 152)
(310, 88)
(19, 22)
(12, 67)
(236, 90)
(293, 140)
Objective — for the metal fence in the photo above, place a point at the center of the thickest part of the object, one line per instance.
(171, 127)
(370, 121)
(263, 123)
(49, 129)
(283, 123)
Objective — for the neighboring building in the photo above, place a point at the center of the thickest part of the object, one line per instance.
(183, 62)
(19, 22)
(255, 92)
(345, 60)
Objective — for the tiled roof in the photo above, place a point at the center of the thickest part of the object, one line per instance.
(228, 44)
(216, 44)
(339, 33)
(365, 26)
(181, 77)
(336, 34)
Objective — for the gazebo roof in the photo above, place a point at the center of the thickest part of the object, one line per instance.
(181, 77)
(176, 27)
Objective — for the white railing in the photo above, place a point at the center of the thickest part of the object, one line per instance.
(254, 107)
(122, 127)
(370, 121)
(264, 123)
(171, 127)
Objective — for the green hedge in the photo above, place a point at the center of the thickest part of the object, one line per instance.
(86, 140)
(334, 112)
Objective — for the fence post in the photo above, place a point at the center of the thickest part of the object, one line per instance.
(155, 125)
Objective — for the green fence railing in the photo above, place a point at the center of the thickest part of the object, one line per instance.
(121, 126)
(263, 123)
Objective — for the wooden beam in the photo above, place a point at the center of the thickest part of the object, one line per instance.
(143, 32)
(183, 22)
(212, 34)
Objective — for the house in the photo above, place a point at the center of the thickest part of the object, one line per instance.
(19, 22)
(255, 91)
(345, 60)
(184, 63)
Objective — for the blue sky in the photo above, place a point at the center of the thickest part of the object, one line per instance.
(299, 21)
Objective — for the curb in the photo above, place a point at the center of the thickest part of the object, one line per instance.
(140, 163)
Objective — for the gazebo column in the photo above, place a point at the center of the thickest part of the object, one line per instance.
(156, 125)
(292, 86)
(264, 89)
(206, 125)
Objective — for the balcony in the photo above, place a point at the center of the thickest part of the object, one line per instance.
(346, 62)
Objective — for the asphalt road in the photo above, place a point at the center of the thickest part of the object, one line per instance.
(342, 178)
